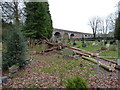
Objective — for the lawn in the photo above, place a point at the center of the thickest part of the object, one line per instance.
(91, 48)
(110, 53)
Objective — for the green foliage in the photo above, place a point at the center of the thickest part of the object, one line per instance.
(38, 22)
(15, 49)
(5, 30)
(117, 28)
(77, 83)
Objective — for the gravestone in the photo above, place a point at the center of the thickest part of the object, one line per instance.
(105, 42)
(107, 45)
(98, 40)
(3, 79)
(112, 41)
(83, 44)
(93, 44)
(74, 44)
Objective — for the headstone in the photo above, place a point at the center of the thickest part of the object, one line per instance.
(98, 40)
(84, 45)
(3, 79)
(107, 45)
(105, 42)
(115, 43)
(74, 44)
(111, 42)
(93, 44)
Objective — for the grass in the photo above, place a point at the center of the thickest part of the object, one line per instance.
(112, 53)
(89, 46)
(109, 53)
(66, 66)
(38, 47)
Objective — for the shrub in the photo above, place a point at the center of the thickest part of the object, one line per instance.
(76, 82)
(15, 51)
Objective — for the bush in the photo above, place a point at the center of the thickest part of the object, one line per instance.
(15, 51)
(76, 82)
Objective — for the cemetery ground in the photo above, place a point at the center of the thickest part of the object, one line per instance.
(51, 69)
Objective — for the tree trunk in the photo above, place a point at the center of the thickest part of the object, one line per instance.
(94, 35)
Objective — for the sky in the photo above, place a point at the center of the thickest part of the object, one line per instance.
(74, 15)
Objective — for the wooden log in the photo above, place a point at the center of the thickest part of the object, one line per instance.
(81, 53)
(109, 68)
(90, 59)
(108, 57)
(85, 52)
(107, 60)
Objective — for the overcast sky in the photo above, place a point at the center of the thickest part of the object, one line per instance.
(74, 14)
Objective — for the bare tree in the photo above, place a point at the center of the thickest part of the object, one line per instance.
(94, 23)
(112, 19)
(12, 11)
(104, 25)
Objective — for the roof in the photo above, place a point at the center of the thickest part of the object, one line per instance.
(70, 31)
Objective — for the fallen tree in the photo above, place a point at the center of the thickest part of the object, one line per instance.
(107, 67)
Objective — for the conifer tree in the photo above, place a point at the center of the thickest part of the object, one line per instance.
(38, 24)
(117, 28)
